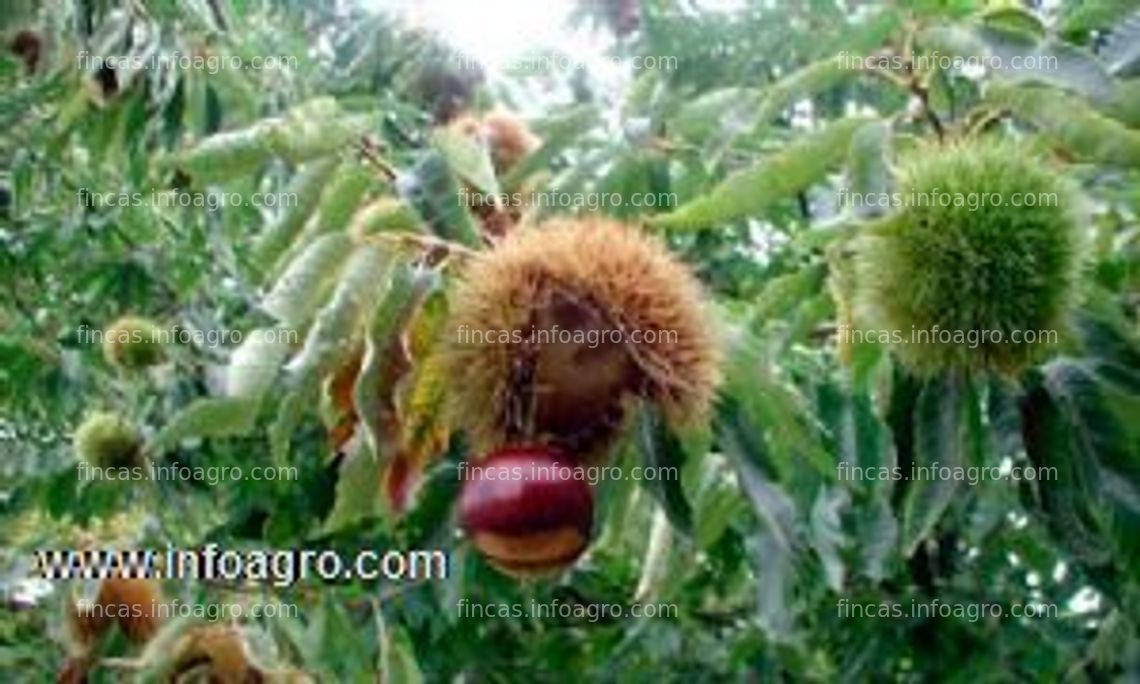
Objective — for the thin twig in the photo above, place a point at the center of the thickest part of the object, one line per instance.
(916, 83)
(129, 664)
(923, 94)
(370, 151)
(424, 242)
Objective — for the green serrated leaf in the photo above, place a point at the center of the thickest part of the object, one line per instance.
(939, 442)
(306, 187)
(214, 417)
(765, 420)
(468, 159)
(316, 128)
(661, 448)
(774, 563)
(385, 216)
(1066, 497)
(860, 437)
(435, 194)
(797, 85)
(1122, 51)
(1099, 410)
(878, 533)
(357, 292)
(802, 163)
(557, 135)
(308, 279)
(228, 155)
(1125, 105)
(773, 549)
(398, 663)
(255, 363)
(716, 500)
(1084, 17)
(357, 489)
(725, 109)
(1014, 19)
(782, 294)
(868, 167)
(827, 534)
(1017, 57)
(1071, 125)
(342, 198)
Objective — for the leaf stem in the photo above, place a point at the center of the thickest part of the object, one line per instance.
(420, 241)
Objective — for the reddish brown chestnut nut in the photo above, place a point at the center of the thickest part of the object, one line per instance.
(527, 509)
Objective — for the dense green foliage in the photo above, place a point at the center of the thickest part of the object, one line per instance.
(777, 562)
